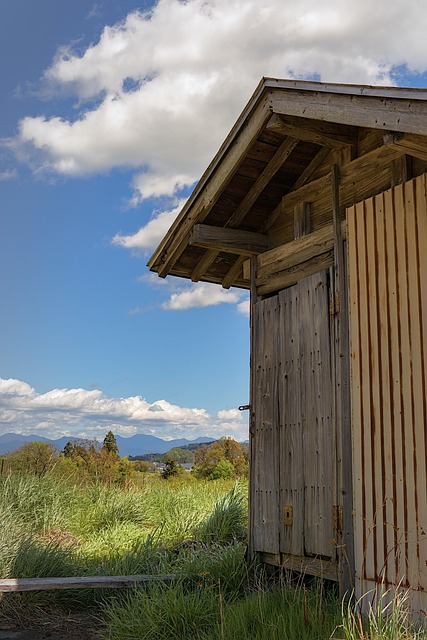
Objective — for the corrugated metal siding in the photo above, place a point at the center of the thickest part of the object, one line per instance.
(387, 260)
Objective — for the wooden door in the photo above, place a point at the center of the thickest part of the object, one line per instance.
(294, 434)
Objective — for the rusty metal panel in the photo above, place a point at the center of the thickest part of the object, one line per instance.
(387, 263)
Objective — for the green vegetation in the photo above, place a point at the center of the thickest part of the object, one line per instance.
(171, 470)
(225, 458)
(87, 512)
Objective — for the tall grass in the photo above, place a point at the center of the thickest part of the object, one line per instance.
(37, 504)
(205, 613)
(388, 617)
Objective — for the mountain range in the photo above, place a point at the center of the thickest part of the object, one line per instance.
(134, 446)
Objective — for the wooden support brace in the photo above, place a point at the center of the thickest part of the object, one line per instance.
(236, 241)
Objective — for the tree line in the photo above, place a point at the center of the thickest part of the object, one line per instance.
(90, 460)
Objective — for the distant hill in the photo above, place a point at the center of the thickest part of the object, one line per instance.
(159, 456)
(138, 444)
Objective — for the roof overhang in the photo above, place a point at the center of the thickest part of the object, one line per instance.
(287, 129)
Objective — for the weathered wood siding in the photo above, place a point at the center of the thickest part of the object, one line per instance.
(295, 445)
(387, 260)
(265, 497)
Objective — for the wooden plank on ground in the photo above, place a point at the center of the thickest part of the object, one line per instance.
(82, 582)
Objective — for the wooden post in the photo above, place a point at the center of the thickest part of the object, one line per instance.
(340, 344)
(401, 170)
(302, 219)
(252, 442)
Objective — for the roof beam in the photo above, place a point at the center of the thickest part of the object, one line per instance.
(245, 243)
(283, 266)
(328, 134)
(410, 144)
(277, 161)
(392, 114)
(310, 192)
(206, 194)
(305, 176)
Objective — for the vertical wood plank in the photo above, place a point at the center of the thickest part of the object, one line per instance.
(395, 387)
(420, 369)
(354, 215)
(385, 398)
(291, 434)
(266, 472)
(302, 219)
(316, 414)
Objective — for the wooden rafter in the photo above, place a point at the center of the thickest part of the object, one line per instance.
(327, 134)
(232, 275)
(170, 250)
(305, 176)
(282, 153)
(349, 172)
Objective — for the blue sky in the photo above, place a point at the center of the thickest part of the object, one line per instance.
(110, 113)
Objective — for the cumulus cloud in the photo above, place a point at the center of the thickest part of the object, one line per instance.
(201, 294)
(148, 237)
(84, 413)
(230, 414)
(243, 307)
(163, 104)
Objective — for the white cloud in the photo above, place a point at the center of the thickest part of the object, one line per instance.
(149, 236)
(162, 88)
(9, 174)
(203, 294)
(244, 307)
(89, 414)
(230, 414)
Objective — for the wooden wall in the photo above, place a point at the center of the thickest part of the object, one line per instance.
(387, 262)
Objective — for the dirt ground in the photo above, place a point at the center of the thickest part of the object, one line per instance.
(75, 626)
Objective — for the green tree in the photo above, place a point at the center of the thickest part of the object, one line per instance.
(225, 449)
(124, 472)
(180, 455)
(34, 457)
(91, 460)
(223, 470)
(68, 450)
(171, 470)
(110, 444)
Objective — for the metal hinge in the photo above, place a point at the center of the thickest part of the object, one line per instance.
(337, 517)
(334, 303)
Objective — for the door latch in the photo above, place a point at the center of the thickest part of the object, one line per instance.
(288, 515)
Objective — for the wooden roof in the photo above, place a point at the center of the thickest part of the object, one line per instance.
(277, 157)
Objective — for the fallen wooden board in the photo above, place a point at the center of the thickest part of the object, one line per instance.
(85, 582)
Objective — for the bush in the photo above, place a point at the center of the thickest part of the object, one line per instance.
(228, 520)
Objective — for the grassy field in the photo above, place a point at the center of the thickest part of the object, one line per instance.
(194, 529)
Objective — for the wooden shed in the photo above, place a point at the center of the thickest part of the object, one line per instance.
(317, 203)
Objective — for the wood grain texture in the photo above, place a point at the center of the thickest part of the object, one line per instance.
(86, 582)
(387, 238)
